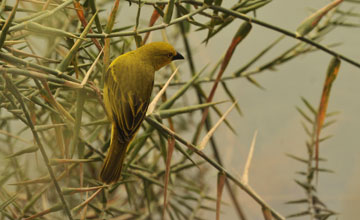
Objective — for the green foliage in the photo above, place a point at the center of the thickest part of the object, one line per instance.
(54, 129)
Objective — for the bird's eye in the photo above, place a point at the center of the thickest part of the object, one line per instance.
(169, 55)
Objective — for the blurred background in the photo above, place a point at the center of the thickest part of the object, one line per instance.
(272, 112)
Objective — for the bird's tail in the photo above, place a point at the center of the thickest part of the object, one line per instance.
(111, 169)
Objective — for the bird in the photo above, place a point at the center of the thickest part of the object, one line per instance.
(128, 84)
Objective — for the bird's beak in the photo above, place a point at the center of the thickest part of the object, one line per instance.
(178, 56)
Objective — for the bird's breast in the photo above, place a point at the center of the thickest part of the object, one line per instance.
(135, 77)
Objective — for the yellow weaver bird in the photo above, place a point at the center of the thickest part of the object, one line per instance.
(128, 85)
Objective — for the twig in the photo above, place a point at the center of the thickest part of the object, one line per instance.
(286, 32)
(37, 139)
(239, 183)
(148, 29)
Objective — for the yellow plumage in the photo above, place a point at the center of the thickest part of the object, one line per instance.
(128, 85)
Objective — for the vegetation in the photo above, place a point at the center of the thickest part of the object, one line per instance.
(54, 130)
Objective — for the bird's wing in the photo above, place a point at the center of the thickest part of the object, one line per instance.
(127, 108)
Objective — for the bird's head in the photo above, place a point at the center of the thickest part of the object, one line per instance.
(159, 54)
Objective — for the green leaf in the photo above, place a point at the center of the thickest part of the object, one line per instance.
(298, 214)
(41, 29)
(166, 113)
(312, 21)
(305, 185)
(181, 91)
(24, 151)
(5, 28)
(8, 201)
(300, 201)
(302, 113)
(232, 98)
(297, 158)
(68, 58)
(169, 11)
(309, 106)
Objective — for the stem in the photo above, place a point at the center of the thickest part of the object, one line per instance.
(148, 29)
(237, 182)
(285, 32)
(17, 95)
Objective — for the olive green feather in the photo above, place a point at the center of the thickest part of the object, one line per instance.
(127, 90)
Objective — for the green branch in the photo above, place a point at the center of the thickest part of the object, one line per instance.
(192, 147)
